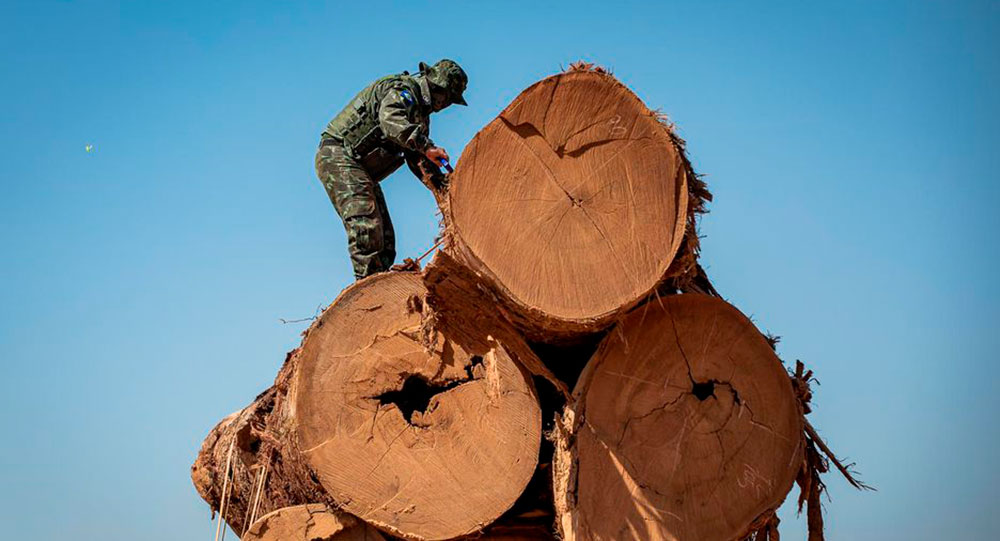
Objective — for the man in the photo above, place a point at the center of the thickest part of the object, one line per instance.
(386, 124)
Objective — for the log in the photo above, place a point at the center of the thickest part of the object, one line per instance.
(571, 204)
(422, 445)
(310, 523)
(684, 426)
(423, 441)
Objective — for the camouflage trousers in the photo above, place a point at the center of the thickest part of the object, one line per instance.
(359, 201)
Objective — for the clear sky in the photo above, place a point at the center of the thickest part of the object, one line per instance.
(852, 150)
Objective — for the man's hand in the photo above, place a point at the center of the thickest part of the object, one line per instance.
(436, 154)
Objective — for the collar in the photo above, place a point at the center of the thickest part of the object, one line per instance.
(425, 90)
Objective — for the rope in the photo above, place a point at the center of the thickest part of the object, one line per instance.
(246, 517)
(225, 488)
(413, 265)
(260, 488)
(432, 248)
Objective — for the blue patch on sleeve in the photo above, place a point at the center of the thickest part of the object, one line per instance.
(407, 97)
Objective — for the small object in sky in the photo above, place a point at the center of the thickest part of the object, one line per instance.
(89, 148)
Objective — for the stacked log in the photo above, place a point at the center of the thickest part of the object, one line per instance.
(566, 300)
(571, 205)
(421, 443)
(684, 425)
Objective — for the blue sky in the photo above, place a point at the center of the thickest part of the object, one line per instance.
(852, 150)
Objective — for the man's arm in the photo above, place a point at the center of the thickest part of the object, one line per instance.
(394, 114)
(395, 111)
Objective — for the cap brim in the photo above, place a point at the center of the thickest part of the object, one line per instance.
(459, 100)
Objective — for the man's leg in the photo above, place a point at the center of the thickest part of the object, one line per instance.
(352, 192)
(388, 253)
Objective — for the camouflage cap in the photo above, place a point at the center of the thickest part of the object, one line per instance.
(449, 76)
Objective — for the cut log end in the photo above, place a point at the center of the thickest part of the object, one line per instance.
(586, 196)
(424, 444)
(312, 522)
(685, 426)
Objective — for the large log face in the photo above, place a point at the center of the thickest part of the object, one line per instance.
(685, 427)
(572, 202)
(424, 445)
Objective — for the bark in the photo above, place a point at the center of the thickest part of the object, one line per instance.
(423, 443)
(259, 436)
(315, 522)
(572, 205)
(684, 426)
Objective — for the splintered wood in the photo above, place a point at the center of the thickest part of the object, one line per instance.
(414, 407)
(571, 204)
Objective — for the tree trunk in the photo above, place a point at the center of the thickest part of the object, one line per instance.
(423, 443)
(684, 426)
(572, 204)
(314, 522)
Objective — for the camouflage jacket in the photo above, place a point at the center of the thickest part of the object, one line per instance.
(387, 119)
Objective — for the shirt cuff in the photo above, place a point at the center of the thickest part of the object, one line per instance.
(424, 143)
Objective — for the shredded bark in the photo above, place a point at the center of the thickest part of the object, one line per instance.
(811, 485)
(765, 528)
(686, 274)
(458, 302)
(262, 437)
(581, 65)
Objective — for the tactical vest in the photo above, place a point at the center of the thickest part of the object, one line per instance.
(357, 126)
